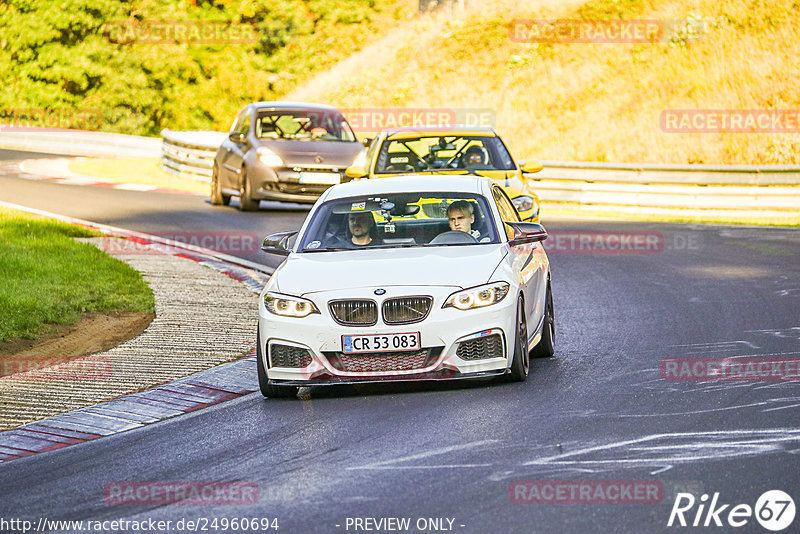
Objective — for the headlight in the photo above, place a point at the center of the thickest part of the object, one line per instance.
(289, 306)
(523, 203)
(477, 297)
(268, 157)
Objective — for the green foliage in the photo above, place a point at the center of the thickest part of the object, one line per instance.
(48, 278)
(76, 58)
(612, 9)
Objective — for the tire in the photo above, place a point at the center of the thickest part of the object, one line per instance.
(270, 390)
(521, 363)
(246, 202)
(547, 344)
(217, 198)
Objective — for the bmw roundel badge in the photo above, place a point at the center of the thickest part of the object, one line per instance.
(380, 291)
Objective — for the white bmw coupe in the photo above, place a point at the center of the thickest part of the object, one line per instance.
(406, 278)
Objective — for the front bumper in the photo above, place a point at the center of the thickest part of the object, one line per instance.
(442, 332)
(283, 183)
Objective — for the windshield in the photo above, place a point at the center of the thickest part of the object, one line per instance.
(400, 220)
(304, 125)
(448, 152)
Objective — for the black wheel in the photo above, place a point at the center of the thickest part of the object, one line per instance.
(267, 389)
(217, 198)
(547, 345)
(246, 202)
(521, 362)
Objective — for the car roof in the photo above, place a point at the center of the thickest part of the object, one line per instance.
(409, 184)
(280, 104)
(414, 131)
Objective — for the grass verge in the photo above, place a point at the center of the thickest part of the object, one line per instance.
(50, 279)
(144, 171)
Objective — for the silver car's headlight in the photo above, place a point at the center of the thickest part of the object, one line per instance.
(477, 297)
(268, 157)
(289, 306)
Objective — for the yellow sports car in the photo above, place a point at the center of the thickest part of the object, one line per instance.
(450, 150)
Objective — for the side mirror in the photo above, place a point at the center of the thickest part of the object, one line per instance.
(530, 167)
(366, 142)
(236, 137)
(526, 232)
(277, 243)
(356, 171)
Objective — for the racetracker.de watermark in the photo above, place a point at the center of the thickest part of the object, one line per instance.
(59, 118)
(235, 243)
(37, 368)
(181, 492)
(730, 120)
(579, 242)
(181, 32)
(588, 31)
(585, 492)
(376, 119)
(757, 369)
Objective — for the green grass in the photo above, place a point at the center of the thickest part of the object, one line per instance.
(50, 279)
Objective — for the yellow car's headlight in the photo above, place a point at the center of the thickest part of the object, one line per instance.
(478, 297)
(287, 306)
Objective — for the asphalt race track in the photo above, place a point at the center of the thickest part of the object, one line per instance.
(449, 457)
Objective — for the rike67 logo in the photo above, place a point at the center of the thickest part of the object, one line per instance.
(774, 510)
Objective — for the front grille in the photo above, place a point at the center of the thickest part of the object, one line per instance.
(406, 310)
(481, 348)
(287, 356)
(354, 312)
(381, 362)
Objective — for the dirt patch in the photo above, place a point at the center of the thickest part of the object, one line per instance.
(95, 332)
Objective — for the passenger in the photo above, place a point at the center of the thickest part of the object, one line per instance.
(362, 228)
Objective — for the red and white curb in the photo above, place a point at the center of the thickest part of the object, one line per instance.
(56, 170)
(199, 390)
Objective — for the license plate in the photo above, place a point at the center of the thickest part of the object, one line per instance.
(319, 178)
(380, 343)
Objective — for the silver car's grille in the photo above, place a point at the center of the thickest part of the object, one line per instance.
(406, 310)
(383, 362)
(288, 356)
(354, 312)
(481, 348)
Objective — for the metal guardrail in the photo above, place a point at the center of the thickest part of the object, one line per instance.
(190, 153)
(78, 142)
(752, 188)
(756, 189)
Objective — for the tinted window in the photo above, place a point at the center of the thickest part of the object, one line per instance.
(507, 210)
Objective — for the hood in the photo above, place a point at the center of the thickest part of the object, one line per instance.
(508, 180)
(296, 153)
(455, 266)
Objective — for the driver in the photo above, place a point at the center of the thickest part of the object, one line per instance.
(474, 157)
(461, 216)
